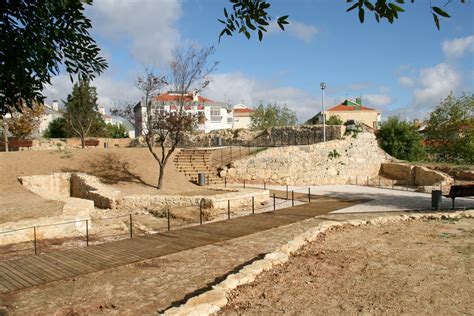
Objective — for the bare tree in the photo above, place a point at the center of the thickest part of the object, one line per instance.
(164, 128)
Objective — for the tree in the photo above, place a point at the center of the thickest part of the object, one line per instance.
(58, 128)
(39, 36)
(450, 130)
(21, 125)
(81, 110)
(334, 120)
(401, 140)
(188, 70)
(116, 131)
(272, 116)
(247, 16)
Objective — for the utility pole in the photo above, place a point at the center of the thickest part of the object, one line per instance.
(323, 86)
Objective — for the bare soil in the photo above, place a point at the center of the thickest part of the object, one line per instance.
(404, 268)
(130, 170)
(412, 268)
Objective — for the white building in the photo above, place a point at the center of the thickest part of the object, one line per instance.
(213, 115)
(112, 120)
(51, 112)
(242, 116)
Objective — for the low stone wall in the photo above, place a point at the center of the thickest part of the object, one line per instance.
(242, 197)
(71, 143)
(88, 187)
(415, 175)
(55, 186)
(333, 162)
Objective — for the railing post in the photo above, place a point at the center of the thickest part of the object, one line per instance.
(34, 239)
(131, 226)
(367, 180)
(292, 198)
(228, 209)
(392, 183)
(225, 182)
(244, 183)
(87, 233)
(357, 179)
(253, 205)
(264, 185)
(169, 221)
(309, 195)
(274, 202)
(200, 212)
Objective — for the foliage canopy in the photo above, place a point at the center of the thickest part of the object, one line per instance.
(38, 37)
(272, 115)
(401, 140)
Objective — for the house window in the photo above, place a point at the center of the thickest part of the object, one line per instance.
(229, 120)
(216, 114)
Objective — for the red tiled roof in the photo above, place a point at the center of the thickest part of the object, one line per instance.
(342, 107)
(174, 97)
(247, 110)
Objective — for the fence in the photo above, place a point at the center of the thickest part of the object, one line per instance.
(84, 232)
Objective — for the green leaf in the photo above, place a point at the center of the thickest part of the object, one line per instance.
(260, 35)
(361, 15)
(436, 19)
(355, 5)
(440, 12)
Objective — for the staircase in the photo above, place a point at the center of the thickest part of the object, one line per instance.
(194, 161)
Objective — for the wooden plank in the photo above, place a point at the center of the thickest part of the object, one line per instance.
(25, 273)
(31, 275)
(7, 283)
(47, 269)
(14, 279)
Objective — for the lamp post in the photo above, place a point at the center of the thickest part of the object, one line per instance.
(323, 86)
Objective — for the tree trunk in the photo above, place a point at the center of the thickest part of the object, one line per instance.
(5, 135)
(161, 176)
(83, 142)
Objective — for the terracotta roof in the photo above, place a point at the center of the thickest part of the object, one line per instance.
(175, 97)
(247, 110)
(342, 107)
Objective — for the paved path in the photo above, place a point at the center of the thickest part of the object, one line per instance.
(31, 271)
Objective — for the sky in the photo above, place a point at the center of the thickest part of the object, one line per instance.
(403, 69)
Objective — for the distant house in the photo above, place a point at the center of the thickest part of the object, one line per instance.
(51, 112)
(213, 115)
(350, 110)
(242, 116)
(113, 120)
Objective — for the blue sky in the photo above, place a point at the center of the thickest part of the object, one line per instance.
(402, 69)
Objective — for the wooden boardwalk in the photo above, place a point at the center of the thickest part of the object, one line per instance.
(34, 270)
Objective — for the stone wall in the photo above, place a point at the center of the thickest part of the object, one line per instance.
(415, 175)
(276, 136)
(88, 187)
(71, 143)
(333, 162)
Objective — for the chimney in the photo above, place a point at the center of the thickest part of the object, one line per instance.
(55, 105)
(359, 101)
(196, 96)
(102, 110)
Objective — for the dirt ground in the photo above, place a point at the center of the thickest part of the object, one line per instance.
(403, 268)
(413, 268)
(130, 170)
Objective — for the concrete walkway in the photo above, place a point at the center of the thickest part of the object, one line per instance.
(379, 199)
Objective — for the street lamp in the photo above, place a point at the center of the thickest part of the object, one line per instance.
(323, 86)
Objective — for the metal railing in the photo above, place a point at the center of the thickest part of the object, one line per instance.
(90, 231)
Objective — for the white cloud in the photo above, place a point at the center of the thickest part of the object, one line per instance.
(296, 29)
(458, 46)
(434, 84)
(302, 31)
(237, 88)
(406, 81)
(110, 92)
(148, 24)
(377, 100)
